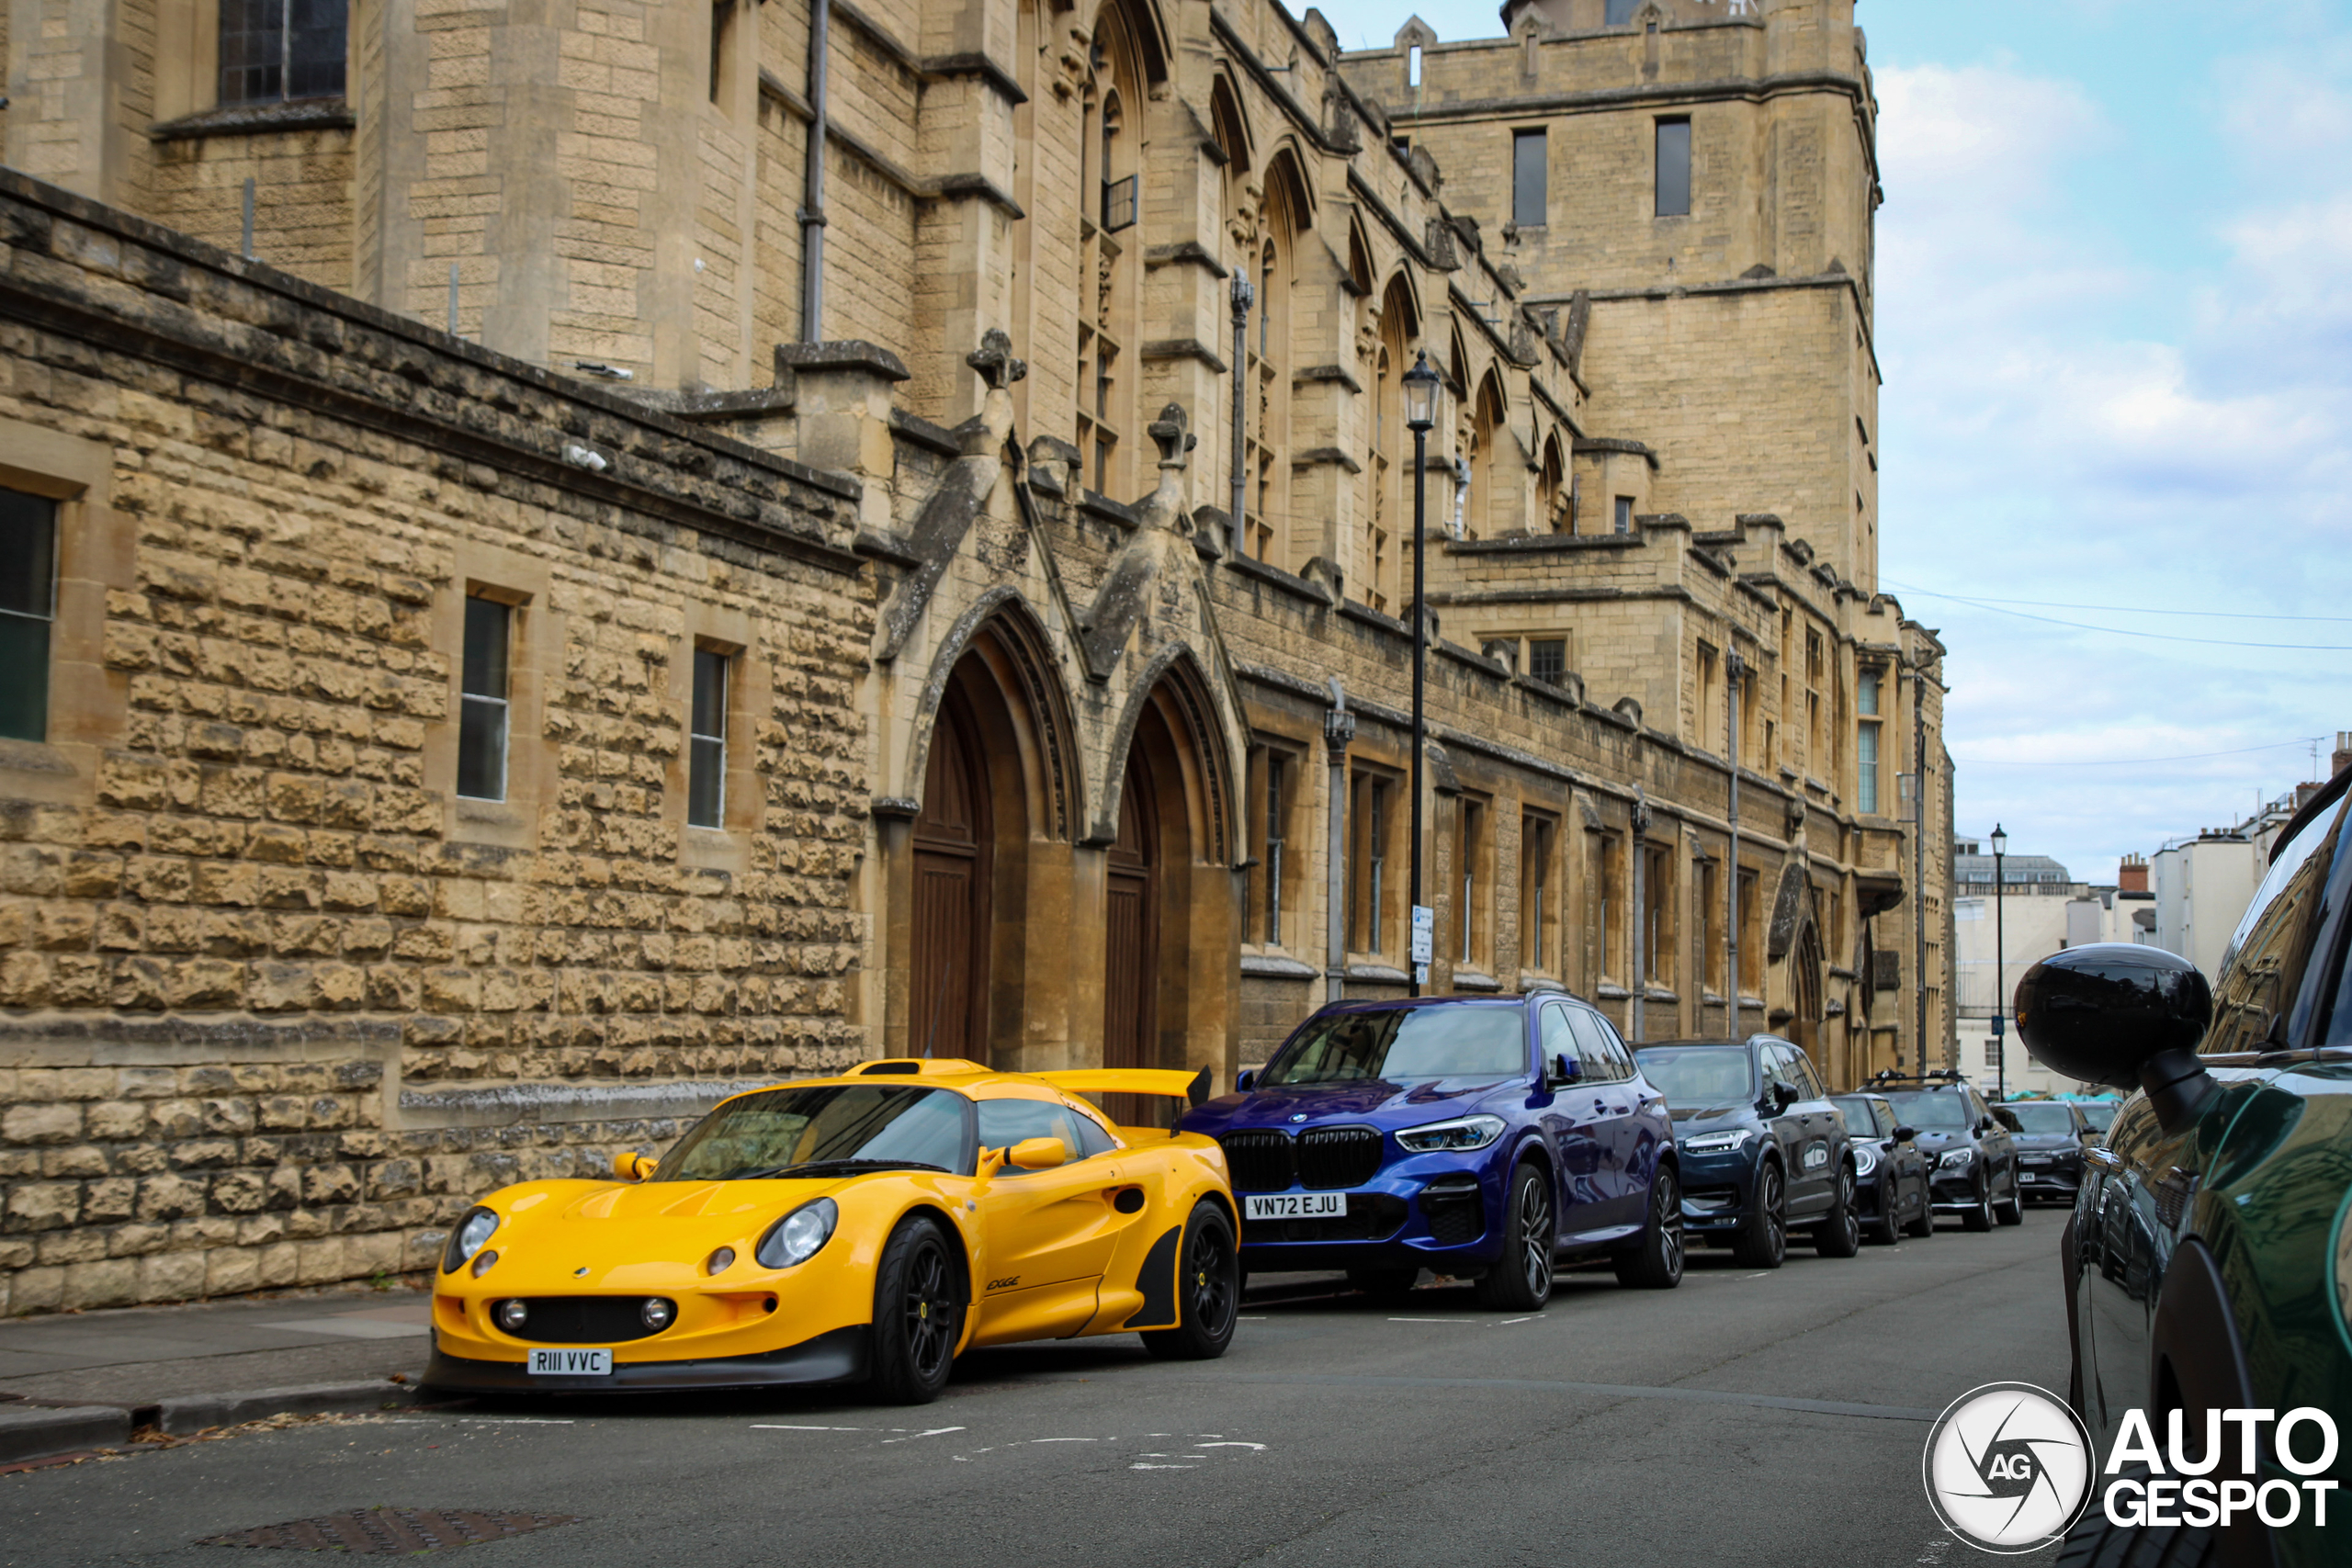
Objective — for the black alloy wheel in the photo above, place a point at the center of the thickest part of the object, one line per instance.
(1657, 1264)
(1884, 1230)
(1840, 1235)
(1978, 1215)
(919, 1300)
(1521, 1280)
(1922, 1224)
(1208, 1291)
(1763, 1238)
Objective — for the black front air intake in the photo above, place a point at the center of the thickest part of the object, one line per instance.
(583, 1320)
(1258, 1159)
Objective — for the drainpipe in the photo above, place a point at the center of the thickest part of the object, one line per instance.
(812, 206)
(1736, 670)
(1339, 730)
(1243, 296)
(1641, 965)
(1919, 860)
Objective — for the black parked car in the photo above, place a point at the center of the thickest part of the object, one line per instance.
(1891, 1174)
(1763, 1150)
(2050, 1135)
(1973, 1158)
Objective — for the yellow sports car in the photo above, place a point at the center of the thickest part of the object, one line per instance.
(871, 1226)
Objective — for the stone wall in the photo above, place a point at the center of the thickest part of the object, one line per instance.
(277, 1003)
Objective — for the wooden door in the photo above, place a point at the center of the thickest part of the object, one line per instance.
(949, 978)
(1130, 940)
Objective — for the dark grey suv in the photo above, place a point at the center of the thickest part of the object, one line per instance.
(1973, 1169)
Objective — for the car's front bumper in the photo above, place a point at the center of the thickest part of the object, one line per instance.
(1717, 1190)
(839, 1356)
(1435, 1210)
(2051, 1181)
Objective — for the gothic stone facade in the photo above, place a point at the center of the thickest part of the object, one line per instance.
(1065, 686)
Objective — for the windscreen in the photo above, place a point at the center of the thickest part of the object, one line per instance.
(2045, 1117)
(1861, 1119)
(1695, 1075)
(830, 1129)
(1929, 1110)
(1403, 1045)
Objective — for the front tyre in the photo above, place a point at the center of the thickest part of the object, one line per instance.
(1208, 1291)
(1521, 1280)
(1922, 1224)
(1763, 1238)
(1657, 1265)
(2012, 1212)
(1840, 1235)
(920, 1299)
(1978, 1216)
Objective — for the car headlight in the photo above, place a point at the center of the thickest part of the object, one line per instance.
(1865, 1160)
(795, 1237)
(467, 1239)
(1957, 1159)
(1463, 1133)
(1717, 1142)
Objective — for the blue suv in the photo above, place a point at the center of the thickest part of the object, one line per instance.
(1487, 1138)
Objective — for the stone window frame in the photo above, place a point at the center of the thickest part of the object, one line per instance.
(1605, 847)
(1470, 882)
(95, 555)
(187, 72)
(751, 694)
(1662, 937)
(1540, 840)
(482, 570)
(1390, 922)
(1297, 836)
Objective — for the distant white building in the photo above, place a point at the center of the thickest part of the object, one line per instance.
(2042, 908)
(2203, 884)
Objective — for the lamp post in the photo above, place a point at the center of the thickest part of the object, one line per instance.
(2000, 962)
(1421, 412)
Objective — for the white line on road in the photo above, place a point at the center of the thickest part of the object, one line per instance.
(780, 1426)
(1461, 1320)
(931, 1432)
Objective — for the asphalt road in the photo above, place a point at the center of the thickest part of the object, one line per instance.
(1746, 1417)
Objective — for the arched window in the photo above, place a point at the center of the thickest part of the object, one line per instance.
(1111, 198)
(1490, 510)
(1267, 383)
(1387, 498)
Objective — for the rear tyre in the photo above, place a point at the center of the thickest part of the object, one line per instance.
(1521, 1280)
(1208, 1291)
(1838, 1235)
(2012, 1212)
(1883, 1231)
(1384, 1282)
(1924, 1225)
(1978, 1216)
(1763, 1238)
(1657, 1264)
(919, 1304)
(2094, 1542)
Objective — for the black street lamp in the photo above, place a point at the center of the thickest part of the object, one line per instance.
(2000, 963)
(1421, 412)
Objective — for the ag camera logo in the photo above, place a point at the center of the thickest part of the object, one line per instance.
(2008, 1468)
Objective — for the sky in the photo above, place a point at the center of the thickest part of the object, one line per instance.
(2115, 319)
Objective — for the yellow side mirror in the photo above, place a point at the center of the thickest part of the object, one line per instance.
(1039, 1154)
(631, 1167)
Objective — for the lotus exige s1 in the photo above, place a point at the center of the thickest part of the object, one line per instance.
(832, 1230)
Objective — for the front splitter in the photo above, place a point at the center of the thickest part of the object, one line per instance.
(840, 1356)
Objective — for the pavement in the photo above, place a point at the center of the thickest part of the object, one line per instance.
(1777, 1415)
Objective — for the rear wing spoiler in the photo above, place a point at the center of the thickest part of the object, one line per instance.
(1173, 1083)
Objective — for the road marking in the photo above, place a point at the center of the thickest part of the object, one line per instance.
(931, 1432)
(1615, 1390)
(1062, 1440)
(1463, 1320)
(1759, 1275)
(512, 1421)
(1509, 1321)
(1164, 1467)
(1234, 1444)
(779, 1426)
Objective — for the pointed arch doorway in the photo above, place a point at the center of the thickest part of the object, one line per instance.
(954, 896)
(1131, 936)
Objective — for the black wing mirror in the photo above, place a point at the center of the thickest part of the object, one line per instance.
(1561, 1070)
(1783, 1096)
(2122, 1015)
(1905, 1134)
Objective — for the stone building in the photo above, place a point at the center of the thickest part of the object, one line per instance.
(709, 540)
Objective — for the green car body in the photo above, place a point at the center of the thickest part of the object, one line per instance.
(2208, 1264)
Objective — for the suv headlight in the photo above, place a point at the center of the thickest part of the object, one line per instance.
(795, 1237)
(1463, 1133)
(1957, 1159)
(472, 1230)
(1717, 1142)
(1865, 1158)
